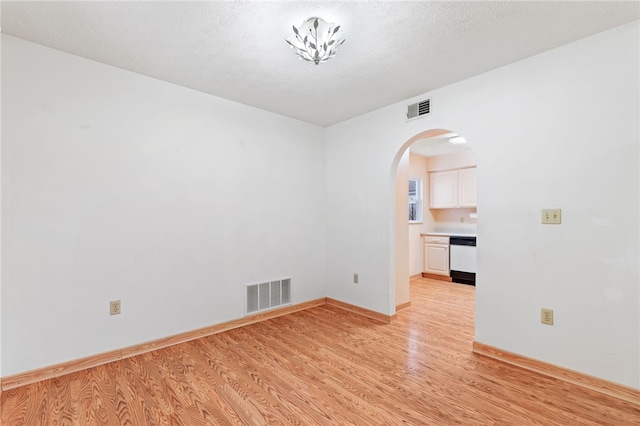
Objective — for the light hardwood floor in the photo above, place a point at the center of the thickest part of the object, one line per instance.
(321, 366)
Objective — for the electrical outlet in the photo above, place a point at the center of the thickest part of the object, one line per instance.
(114, 307)
(546, 316)
(356, 278)
(552, 216)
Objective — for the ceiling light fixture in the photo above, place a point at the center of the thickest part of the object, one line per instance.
(457, 140)
(316, 40)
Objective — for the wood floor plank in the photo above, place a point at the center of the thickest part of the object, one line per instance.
(321, 366)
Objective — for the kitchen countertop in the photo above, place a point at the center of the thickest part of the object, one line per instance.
(449, 234)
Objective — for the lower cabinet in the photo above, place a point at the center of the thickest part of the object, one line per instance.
(436, 255)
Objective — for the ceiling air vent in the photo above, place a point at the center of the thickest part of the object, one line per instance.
(419, 109)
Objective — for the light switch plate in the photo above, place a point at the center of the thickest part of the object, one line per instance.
(552, 216)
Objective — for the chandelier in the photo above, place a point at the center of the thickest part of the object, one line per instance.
(316, 40)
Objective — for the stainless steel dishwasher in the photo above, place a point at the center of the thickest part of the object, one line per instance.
(462, 260)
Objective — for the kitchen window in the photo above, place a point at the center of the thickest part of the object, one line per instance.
(415, 200)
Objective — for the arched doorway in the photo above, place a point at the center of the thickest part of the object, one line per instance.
(432, 150)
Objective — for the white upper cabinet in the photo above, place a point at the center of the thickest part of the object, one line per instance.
(443, 189)
(453, 189)
(467, 187)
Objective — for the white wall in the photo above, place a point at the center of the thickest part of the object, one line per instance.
(556, 130)
(0, 210)
(455, 220)
(118, 186)
(402, 268)
(457, 160)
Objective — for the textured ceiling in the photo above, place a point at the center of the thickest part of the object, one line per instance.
(236, 50)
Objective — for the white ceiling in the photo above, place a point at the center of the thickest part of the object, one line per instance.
(236, 50)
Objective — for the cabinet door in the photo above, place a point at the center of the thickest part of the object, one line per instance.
(467, 193)
(436, 259)
(443, 189)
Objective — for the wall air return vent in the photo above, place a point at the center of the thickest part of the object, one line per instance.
(267, 295)
(419, 109)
